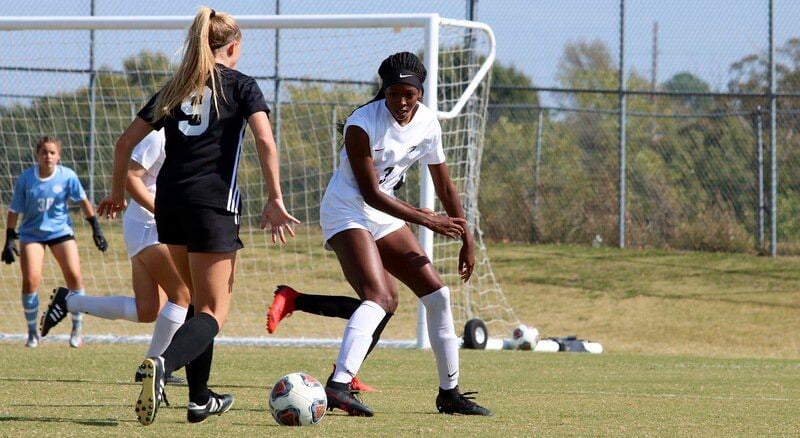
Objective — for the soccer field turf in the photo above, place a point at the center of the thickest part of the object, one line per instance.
(58, 390)
(696, 344)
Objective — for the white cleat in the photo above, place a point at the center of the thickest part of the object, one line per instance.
(75, 338)
(33, 341)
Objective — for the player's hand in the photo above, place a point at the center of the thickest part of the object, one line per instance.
(453, 227)
(466, 260)
(10, 247)
(279, 220)
(97, 234)
(110, 207)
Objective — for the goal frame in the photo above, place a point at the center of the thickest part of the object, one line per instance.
(429, 22)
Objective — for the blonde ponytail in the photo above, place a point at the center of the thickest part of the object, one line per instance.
(209, 31)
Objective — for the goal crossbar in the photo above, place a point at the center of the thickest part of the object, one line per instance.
(429, 22)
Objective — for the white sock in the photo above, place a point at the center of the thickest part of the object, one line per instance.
(169, 320)
(356, 340)
(77, 317)
(103, 307)
(442, 334)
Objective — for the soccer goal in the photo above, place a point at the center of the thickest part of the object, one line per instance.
(82, 79)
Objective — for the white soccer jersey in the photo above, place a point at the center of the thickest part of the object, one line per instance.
(150, 154)
(394, 148)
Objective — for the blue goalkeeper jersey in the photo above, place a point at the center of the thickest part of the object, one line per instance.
(42, 202)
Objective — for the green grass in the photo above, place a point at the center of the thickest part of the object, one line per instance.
(90, 392)
(696, 344)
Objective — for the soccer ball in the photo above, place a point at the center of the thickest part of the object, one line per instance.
(525, 338)
(298, 399)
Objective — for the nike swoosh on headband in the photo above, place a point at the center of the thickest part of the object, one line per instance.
(405, 76)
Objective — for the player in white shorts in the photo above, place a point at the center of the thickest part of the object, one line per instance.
(154, 274)
(365, 225)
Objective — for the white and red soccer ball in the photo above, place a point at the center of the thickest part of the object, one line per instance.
(297, 399)
(525, 338)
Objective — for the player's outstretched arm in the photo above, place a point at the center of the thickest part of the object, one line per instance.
(115, 202)
(10, 247)
(360, 157)
(274, 214)
(447, 193)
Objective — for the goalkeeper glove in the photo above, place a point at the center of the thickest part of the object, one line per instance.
(97, 234)
(11, 246)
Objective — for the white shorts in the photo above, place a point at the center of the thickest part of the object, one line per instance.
(336, 215)
(138, 234)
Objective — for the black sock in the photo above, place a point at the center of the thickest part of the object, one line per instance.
(327, 305)
(376, 335)
(190, 341)
(197, 373)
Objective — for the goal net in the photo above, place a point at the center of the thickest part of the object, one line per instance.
(83, 79)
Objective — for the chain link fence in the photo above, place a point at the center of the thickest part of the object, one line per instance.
(697, 162)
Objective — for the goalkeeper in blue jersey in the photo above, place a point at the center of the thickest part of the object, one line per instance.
(40, 195)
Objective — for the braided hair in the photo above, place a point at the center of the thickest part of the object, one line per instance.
(402, 67)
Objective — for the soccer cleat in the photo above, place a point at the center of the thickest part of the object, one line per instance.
(152, 390)
(341, 396)
(358, 385)
(217, 404)
(56, 310)
(355, 384)
(168, 380)
(33, 340)
(75, 338)
(452, 401)
(282, 306)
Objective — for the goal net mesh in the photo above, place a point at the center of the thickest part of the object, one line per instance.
(84, 87)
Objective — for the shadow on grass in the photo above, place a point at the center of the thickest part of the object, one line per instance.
(95, 422)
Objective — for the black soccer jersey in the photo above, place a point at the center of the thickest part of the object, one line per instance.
(202, 153)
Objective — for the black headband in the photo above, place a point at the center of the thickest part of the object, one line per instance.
(213, 13)
(401, 77)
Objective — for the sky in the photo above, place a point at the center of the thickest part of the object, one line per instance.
(700, 36)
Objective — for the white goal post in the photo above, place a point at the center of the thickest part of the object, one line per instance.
(462, 84)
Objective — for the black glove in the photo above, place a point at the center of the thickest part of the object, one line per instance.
(97, 234)
(11, 246)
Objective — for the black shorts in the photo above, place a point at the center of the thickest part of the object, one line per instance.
(199, 228)
(57, 240)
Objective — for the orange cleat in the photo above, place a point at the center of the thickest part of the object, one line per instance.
(358, 385)
(282, 306)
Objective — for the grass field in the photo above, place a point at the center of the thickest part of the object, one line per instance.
(696, 344)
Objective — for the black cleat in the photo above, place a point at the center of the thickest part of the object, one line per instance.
(341, 396)
(218, 404)
(452, 401)
(169, 380)
(56, 310)
(152, 393)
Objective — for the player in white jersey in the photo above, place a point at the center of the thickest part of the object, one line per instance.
(41, 196)
(365, 225)
(153, 273)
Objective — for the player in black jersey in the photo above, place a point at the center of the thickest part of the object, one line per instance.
(204, 109)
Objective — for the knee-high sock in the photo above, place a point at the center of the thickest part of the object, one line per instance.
(30, 304)
(442, 334)
(116, 307)
(168, 321)
(77, 317)
(327, 305)
(190, 341)
(356, 340)
(197, 374)
(378, 331)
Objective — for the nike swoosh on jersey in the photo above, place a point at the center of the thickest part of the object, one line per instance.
(378, 150)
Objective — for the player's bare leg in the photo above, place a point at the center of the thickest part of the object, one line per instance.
(31, 260)
(403, 256)
(68, 258)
